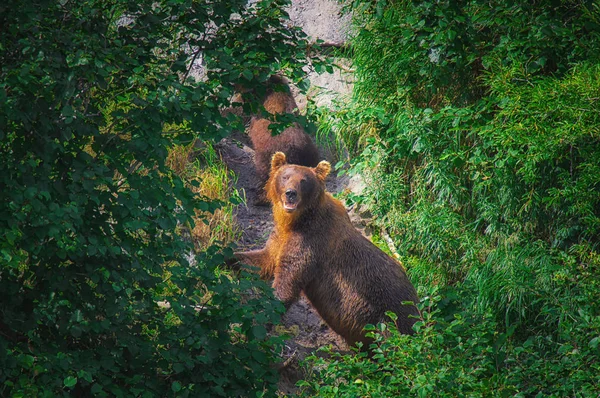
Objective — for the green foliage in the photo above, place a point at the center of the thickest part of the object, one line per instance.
(472, 198)
(446, 45)
(459, 354)
(98, 296)
(483, 183)
(477, 128)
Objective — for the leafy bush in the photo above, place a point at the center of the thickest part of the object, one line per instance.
(98, 293)
(476, 126)
(507, 176)
(459, 354)
(473, 199)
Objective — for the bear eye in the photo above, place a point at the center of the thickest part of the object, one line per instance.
(285, 178)
(303, 181)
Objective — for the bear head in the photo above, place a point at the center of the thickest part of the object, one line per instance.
(294, 188)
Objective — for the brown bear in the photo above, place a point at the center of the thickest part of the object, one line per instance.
(293, 141)
(314, 249)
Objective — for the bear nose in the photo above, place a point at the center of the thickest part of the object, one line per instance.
(291, 194)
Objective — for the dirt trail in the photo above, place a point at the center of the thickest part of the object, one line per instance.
(301, 320)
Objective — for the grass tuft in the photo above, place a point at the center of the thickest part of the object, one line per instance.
(204, 172)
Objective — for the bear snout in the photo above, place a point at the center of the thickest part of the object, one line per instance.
(290, 200)
(291, 195)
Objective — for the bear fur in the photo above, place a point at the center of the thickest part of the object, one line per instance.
(293, 141)
(314, 249)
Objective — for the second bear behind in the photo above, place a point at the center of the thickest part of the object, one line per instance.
(293, 141)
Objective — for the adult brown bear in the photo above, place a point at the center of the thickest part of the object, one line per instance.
(316, 250)
(293, 141)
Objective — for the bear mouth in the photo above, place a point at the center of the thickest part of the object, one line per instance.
(290, 206)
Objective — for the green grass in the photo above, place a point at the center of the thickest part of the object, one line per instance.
(208, 177)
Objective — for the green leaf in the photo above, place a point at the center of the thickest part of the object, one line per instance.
(26, 361)
(82, 374)
(178, 367)
(247, 74)
(70, 381)
(176, 386)
(96, 388)
(76, 331)
(259, 331)
(67, 111)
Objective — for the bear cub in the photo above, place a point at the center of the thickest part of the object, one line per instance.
(293, 141)
(314, 249)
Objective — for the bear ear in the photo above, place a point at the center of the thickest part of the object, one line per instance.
(277, 161)
(322, 170)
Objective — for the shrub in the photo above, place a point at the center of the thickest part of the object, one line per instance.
(98, 293)
(459, 354)
(476, 125)
(504, 177)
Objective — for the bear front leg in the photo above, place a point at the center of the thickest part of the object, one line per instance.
(258, 258)
(290, 278)
(264, 258)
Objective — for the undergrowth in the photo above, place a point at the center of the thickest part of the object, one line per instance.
(476, 126)
(205, 174)
(101, 294)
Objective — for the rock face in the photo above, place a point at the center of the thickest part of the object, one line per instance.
(323, 19)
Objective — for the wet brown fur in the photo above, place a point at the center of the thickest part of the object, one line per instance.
(316, 250)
